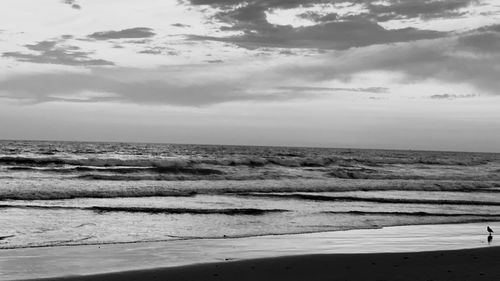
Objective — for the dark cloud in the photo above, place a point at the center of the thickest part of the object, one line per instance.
(267, 4)
(494, 28)
(487, 42)
(465, 59)
(151, 51)
(136, 32)
(142, 41)
(331, 32)
(52, 53)
(397, 10)
(373, 9)
(333, 35)
(157, 50)
(180, 25)
(450, 96)
(214, 61)
(444, 60)
(73, 4)
(426, 9)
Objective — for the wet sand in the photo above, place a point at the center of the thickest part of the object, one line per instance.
(472, 264)
(322, 255)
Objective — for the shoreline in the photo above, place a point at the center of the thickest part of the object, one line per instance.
(468, 264)
(52, 262)
(187, 238)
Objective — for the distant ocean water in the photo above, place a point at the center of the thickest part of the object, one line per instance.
(71, 193)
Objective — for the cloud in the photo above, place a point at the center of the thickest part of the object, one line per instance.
(244, 10)
(375, 90)
(152, 51)
(136, 32)
(485, 42)
(408, 9)
(141, 41)
(138, 86)
(51, 52)
(332, 35)
(454, 60)
(73, 4)
(180, 25)
(445, 60)
(318, 17)
(157, 50)
(332, 31)
(214, 61)
(450, 96)
(396, 10)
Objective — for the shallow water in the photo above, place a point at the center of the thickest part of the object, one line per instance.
(71, 193)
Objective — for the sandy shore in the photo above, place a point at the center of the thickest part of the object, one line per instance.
(473, 264)
(322, 255)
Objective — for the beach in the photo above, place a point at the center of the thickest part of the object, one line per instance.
(411, 252)
(138, 211)
(234, 140)
(476, 264)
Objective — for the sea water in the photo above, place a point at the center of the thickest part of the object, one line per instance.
(73, 193)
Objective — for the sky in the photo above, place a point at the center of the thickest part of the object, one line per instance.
(394, 74)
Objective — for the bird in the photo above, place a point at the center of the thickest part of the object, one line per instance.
(489, 229)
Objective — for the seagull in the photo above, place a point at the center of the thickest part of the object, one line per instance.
(489, 229)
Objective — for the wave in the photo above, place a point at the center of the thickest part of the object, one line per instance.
(163, 163)
(365, 173)
(423, 160)
(94, 162)
(374, 200)
(237, 211)
(63, 189)
(278, 159)
(105, 209)
(418, 214)
(234, 211)
(130, 173)
(6, 237)
(161, 177)
(73, 194)
(124, 170)
(251, 161)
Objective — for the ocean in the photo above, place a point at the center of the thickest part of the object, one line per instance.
(75, 193)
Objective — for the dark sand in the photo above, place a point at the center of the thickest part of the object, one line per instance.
(472, 264)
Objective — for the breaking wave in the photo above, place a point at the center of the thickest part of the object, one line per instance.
(366, 173)
(375, 200)
(279, 159)
(63, 189)
(193, 174)
(125, 170)
(197, 211)
(419, 214)
(73, 194)
(113, 162)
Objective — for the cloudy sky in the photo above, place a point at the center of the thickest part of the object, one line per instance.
(408, 74)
